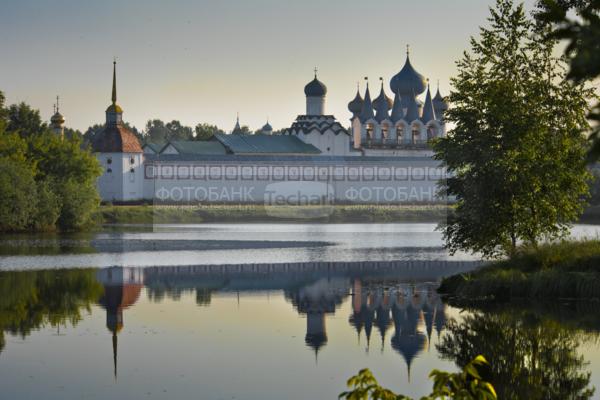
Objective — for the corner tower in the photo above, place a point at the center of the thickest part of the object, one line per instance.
(120, 154)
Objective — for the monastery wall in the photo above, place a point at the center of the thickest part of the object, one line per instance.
(294, 181)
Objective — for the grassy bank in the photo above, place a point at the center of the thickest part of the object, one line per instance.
(566, 270)
(259, 213)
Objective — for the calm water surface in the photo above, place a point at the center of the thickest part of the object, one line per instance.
(267, 311)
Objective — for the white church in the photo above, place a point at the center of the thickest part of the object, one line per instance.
(382, 158)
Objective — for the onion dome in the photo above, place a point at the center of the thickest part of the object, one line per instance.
(408, 81)
(355, 106)
(428, 111)
(315, 88)
(267, 127)
(367, 108)
(57, 119)
(382, 106)
(397, 111)
(382, 98)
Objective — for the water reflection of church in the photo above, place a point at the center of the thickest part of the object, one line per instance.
(122, 288)
(414, 309)
(384, 295)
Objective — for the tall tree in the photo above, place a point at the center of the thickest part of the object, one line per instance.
(516, 154)
(583, 47)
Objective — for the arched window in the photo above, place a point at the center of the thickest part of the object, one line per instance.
(132, 160)
(416, 134)
(385, 134)
(399, 133)
(109, 160)
(431, 132)
(370, 129)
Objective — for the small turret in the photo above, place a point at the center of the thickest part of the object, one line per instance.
(440, 105)
(237, 129)
(57, 121)
(267, 129)
(397, 111)
(114, 113)
(428, 111)
(367, 108)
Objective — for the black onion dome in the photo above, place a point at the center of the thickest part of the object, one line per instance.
(315, 88)
(383, 97)
(355, 106)
(408, 81)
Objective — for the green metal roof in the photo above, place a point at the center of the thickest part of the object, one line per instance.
(154, 146)
(265, 144)
(197, 147)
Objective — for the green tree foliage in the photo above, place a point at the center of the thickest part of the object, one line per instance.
(533, 358)
(25, 121)
(205, 131)
(47, 181)
(79, 201)
(17, 190)
(465, 385)
(178, 131)
(516, 155)
(32, 299)
(48, 207)
(583, 48)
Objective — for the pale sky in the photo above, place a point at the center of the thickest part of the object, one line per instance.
(203, 61)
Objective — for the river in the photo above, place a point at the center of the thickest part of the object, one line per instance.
(266, 311)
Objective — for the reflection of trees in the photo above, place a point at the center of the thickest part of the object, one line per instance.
(531, 358)
(32, 299)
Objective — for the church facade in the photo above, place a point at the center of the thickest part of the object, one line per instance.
(382, 158)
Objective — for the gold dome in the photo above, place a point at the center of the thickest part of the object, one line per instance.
(114, 108)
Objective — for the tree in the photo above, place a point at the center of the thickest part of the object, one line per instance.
(25, 121)
(79, 200)
(516, 155)
(178, 131)
(18, 196)
(205, 131)
(156, 131)
(532, 357)
(583, 48)
(465, 385)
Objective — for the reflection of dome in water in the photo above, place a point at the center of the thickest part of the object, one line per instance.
(315, 340)
(408, 340)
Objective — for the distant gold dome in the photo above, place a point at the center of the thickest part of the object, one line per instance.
(114, 108)
(57, 118)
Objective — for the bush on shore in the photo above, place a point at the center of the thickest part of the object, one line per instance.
(566, 269)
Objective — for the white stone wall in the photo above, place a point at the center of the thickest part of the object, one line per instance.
(357, 180)
(329, 143)
(122, 177)
(110, 183)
